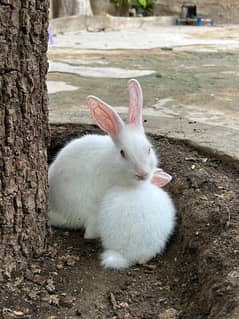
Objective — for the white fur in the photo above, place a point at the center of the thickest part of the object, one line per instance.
(111, 258)
(85, 169)
(135, 218)
(134, 224)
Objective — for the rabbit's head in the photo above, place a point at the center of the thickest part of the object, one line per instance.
(135, 153)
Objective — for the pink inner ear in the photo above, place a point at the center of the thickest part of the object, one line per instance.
(160, 178)
(135, 107)
(104, 116)
(134, 97)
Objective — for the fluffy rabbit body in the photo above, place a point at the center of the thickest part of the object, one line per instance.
(87, 167)
(134, 224)
(81, 174)
(107, 184)
(77, 182)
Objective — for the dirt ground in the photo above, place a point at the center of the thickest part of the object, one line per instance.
(197, 277)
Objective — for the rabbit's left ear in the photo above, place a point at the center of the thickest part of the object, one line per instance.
(160, 178)
(105, 116)
(135, 103)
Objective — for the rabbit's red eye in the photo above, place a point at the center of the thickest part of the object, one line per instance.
(122, 153)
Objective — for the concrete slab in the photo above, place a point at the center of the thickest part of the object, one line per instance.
(59, 86)
(219, 139)
(192, 92)
(151, 37)
(98, 72)
(107, 23)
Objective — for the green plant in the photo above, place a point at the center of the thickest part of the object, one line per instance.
(119, 2)
(143, 3)
(145, 6)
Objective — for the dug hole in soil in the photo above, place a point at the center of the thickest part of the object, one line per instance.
(197, 276)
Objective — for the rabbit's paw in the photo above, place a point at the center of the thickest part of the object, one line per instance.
(144, 260)
(90, 234)
(114, 260)
(91, 230)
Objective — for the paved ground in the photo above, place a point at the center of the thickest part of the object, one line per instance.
(189, 76)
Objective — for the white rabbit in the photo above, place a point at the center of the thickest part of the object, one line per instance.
(134, 224)
(86, 168)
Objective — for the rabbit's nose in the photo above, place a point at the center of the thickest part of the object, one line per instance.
(142, 174)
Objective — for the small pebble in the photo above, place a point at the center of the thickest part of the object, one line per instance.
(170, 313)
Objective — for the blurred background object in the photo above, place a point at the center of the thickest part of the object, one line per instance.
(61, 8)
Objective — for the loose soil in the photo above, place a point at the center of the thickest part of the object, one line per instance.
(197, 277)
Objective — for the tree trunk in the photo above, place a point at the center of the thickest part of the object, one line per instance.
(103, 7)
(23, 131)
(61, 8)
(124, 8)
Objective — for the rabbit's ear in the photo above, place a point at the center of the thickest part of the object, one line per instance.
(135, 103)
(160, 178)
(106, 118)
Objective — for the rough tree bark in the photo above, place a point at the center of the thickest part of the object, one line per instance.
(23, 131)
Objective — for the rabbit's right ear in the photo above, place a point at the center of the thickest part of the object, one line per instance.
(160, 178)
(106, 118)
(135, 103)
